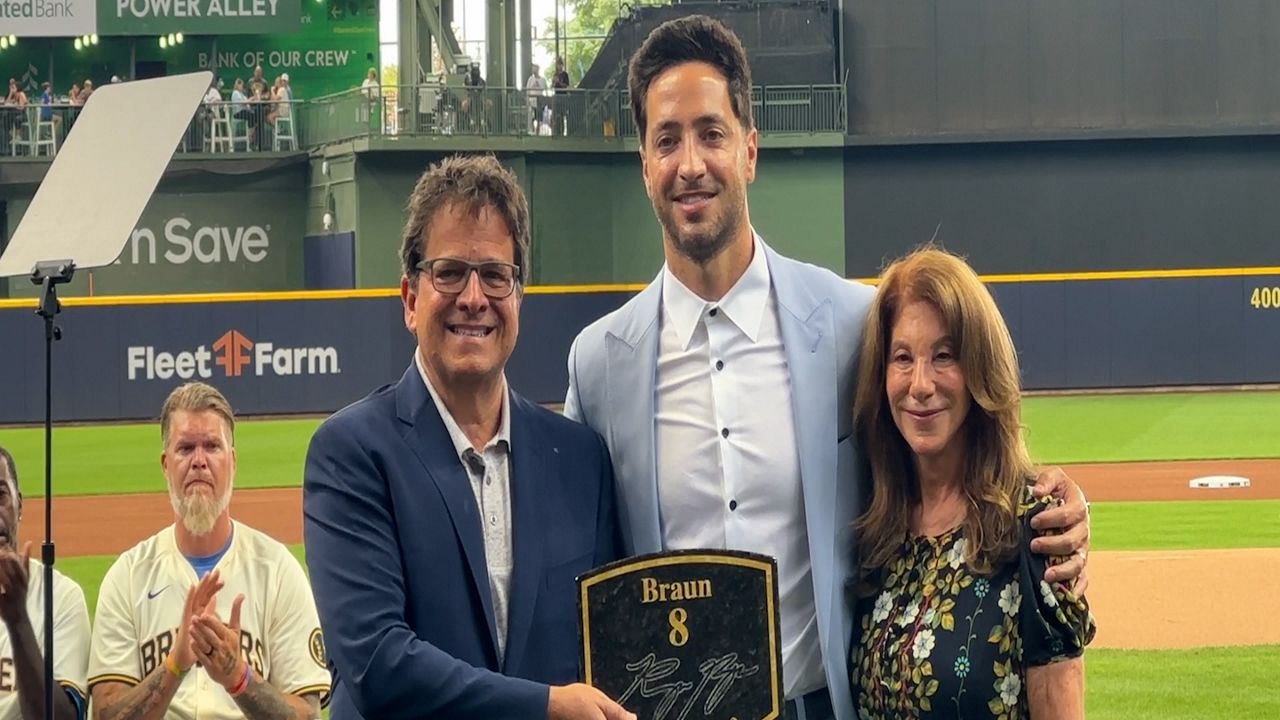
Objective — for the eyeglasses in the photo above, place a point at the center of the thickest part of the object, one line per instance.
(450, 276)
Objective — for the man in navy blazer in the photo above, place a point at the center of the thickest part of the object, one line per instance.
(446, 517)
(724, 390)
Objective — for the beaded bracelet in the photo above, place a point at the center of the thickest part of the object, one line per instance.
(243, 684)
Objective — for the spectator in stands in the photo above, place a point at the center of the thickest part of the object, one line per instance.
(288, 89)
(88, 90)
(369, 88)
(446, 106)
(240, 108)
(536, 88)
(16, 95)
(261, 104)
(560, 103)
(258, 83)
(73, 97)
(47, 101)
(212, 96)
(279, 102)
(239, 101)
(475, 104)
(15, 107)
(372, 94)
(208, 112)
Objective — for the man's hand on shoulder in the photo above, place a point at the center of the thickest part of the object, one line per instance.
(1065, 529)
(583, 702)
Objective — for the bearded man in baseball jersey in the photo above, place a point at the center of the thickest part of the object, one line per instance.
(208, 618)
(22, 691)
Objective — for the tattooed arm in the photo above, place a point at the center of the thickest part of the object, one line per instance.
(148, 700)
(263, 701)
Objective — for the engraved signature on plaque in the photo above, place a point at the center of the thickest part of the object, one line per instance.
(719, 672)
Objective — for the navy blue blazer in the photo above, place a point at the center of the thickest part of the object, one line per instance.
(396, 555)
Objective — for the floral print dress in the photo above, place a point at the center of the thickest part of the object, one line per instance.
(936, 641)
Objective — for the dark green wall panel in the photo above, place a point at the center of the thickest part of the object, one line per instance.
(202, 233)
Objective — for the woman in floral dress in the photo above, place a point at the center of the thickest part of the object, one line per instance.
(955, 619)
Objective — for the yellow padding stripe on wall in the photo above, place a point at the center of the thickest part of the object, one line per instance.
(108, 300)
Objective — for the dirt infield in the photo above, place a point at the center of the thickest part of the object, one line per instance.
(1169, 480)
(1141, 599)
(1180, 599)
(111, 524)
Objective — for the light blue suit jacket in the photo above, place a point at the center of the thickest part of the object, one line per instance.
(612, 367)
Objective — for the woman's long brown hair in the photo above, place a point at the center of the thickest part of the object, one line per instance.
(997, 465)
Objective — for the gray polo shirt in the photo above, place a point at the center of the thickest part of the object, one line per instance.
(490, 473)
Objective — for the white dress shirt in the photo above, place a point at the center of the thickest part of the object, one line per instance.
(728, 468)
(490, 481)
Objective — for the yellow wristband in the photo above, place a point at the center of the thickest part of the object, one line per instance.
(172, 665)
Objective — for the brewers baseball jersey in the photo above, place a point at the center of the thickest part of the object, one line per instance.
(70, 638)
(140, 607)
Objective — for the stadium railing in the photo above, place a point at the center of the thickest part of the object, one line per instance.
(417, 110)
(420, 110)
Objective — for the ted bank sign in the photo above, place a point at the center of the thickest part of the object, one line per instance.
(198, 17)
(48, 18)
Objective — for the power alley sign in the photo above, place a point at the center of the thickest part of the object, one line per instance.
(198, 17)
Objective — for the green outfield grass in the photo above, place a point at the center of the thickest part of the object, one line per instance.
(107, 459)
(1204, 684)
(1186, 525)
(1163, 426)
(101, 459)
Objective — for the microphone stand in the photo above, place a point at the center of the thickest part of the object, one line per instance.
(49, 275)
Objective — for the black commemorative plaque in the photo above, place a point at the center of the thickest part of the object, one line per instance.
(686, 635)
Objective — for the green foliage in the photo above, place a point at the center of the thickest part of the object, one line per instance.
(582, 36)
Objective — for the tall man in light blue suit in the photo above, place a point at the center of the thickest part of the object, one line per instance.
(725, 389)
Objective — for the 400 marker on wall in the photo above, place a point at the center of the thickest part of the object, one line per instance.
(1265, 298)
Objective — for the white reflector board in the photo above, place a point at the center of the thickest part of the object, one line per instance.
(104, 174)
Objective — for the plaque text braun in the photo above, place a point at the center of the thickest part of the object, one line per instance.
(653, 591)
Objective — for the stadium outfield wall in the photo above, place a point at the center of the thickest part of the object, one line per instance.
(314, 352)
